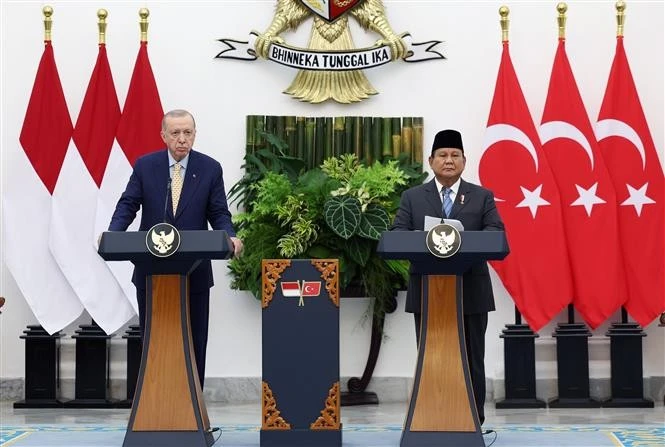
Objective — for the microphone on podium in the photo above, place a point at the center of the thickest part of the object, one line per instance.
(166, 199)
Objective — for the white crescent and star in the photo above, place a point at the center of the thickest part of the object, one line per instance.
(637, 197)
(506, 132)
(561, 129)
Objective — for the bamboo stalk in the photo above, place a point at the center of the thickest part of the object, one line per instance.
(397, 136)
(270, 124)
(259, 125)
(280, 127)
(387, 138)
(376, 138)
(250, 142)
(328, 140)
(418, 139)
(319, 139)
(358, 137)
(367, 140)
(407, 136)
(291, 135)
(310, 135)
(348, 135)
(300, 139)
(339, 135)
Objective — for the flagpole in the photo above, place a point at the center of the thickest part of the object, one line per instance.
(519, 354)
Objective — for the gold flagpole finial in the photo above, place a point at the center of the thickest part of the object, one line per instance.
(621, 17)
(102, 14)
(505, 22)
(143, 23)
(48, 22)
(561, 19)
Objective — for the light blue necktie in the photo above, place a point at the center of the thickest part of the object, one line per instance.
(447, 202)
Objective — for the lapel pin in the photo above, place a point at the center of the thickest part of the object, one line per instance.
(194, 175)
(461, 199)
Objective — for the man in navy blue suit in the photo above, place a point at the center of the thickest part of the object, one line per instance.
(193, 181)
(474, 206)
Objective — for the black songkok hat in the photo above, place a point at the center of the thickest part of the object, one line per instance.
(447, 138)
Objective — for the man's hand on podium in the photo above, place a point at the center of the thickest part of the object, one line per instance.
(237, 246)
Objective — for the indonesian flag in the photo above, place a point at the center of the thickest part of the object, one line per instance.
(290, 288)
(293, 288)
(46, 132)
(137, 134)
(75, 200)
(588, 199)
(631, 158)
(536, 273)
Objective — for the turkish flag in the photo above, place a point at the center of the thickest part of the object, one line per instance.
(631, 158)
(536, 273)
(311, 288)
(588, 200)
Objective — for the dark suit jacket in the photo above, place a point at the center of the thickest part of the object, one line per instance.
(478, 212)
(202, 200)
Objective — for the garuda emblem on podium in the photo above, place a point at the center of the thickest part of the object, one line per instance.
(331, 66)
(162, 240)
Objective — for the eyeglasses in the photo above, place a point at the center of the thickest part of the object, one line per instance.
(187, 133)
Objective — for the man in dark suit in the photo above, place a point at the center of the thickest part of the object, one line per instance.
(184, 188)
(474, 206)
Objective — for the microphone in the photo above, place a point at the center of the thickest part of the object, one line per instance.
(166, 199)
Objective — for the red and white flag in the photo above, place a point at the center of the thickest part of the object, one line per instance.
(47, 130)
(630, 155)
(137, 134)
(75, 200)
(290, 288)
(588, 199)
(536, 273)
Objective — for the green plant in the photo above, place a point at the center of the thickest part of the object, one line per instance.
(337, 210)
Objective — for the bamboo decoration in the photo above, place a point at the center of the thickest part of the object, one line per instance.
(291, 136)
(386, 137)
(368, 154)
(313, 139)
(376, 139)
(407, 136)
(397, 137)
(418, 140)
(338, 136)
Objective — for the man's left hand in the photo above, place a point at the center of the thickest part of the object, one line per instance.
(237, 246)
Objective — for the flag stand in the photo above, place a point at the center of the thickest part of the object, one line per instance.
(626, 365)
(42, 369)
(134, 350)
(519, 358)
(92, 382)
(572, 352)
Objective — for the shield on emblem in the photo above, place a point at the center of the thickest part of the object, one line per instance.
(330, 10)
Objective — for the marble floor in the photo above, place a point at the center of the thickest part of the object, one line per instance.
(385, 414)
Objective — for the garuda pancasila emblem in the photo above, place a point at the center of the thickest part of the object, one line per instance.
(331, 66)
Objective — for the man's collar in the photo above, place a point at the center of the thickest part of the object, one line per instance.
(455, 186)
(183, 162)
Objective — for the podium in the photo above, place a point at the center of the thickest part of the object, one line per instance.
(168, 408)
(442, 408)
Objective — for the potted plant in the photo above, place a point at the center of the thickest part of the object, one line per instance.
(336, 210)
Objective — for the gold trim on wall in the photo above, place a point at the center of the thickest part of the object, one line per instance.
(272, 271)
(271, 419)
(328, 269)
(329, 419)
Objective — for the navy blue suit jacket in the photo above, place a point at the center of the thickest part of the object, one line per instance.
(202, 200)
(477, 213)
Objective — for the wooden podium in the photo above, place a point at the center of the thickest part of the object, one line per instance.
(442, 409)
(168, 408)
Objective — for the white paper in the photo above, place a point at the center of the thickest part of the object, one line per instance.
(431, 221)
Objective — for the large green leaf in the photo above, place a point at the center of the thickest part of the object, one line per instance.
(373, 222)
(342, 215)
(358, 250)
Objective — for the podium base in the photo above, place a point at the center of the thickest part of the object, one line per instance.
(301, 438)
(520, 403)
(91, 403)
(39, 403)
(438, 439)
(365, 398)
(168, 439)
(627, 402)
(574, 402)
